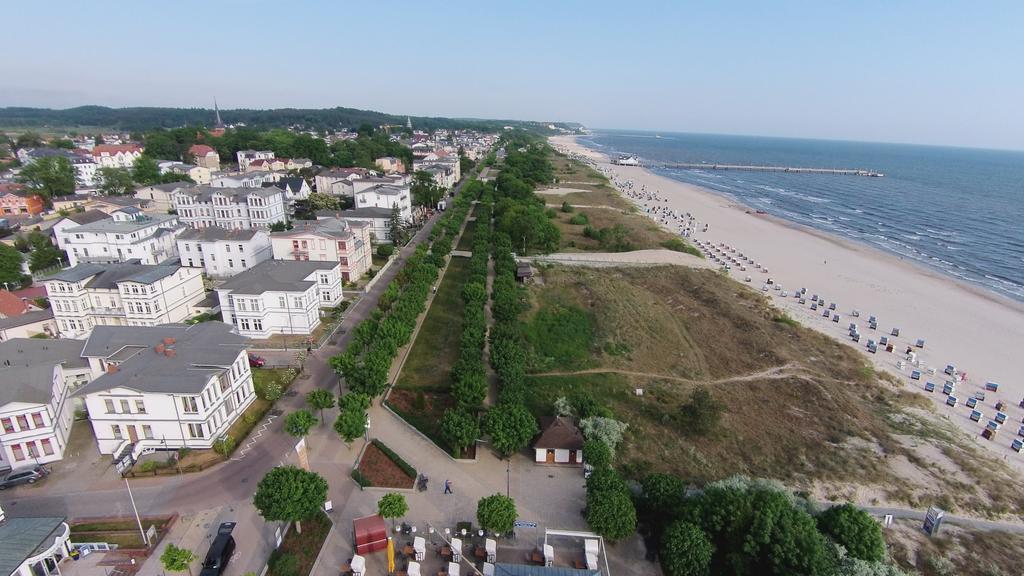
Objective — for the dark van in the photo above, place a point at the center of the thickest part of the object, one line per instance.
(220, 552)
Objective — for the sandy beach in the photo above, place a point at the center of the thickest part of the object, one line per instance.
(977, 332)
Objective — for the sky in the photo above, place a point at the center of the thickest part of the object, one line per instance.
(944, 73)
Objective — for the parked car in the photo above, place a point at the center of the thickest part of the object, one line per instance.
(220, 552)
(257, 361)
(23, 476)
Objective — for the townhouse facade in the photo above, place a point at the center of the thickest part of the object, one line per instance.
(251, 180)
(338, 182)
(125, 294)
(280, 297)
(164, 388)
(205, 156)
(327, 240)
(128, 234)
(198, 174)
(222, 253)
(36, 412)
(116, 155)
(245, 157)
(160, 196)
(21, 202)
(386, 196)
(231, 208)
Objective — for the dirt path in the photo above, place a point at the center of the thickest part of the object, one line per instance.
(774, 373)
(634, 258)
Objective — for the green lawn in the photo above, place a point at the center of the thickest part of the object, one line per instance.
(466, 242)
(436, 348)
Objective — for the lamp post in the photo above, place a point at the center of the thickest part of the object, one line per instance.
(138, 520)
(366, 431)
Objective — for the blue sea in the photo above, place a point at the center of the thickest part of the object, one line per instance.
(959, 211)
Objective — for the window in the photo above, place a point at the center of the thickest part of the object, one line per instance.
(257, 324)
(22, 423)
(243, 263)
(110, 405)
(195, 430)
(244, 324)
(19, 454)
(188, 404)
(47, 447)
(280, 301)
(37, 419)
(240, 248)
(140, 406)
(227, 247)
(231, 263)
(299, 302)
(147, 431)
(124, 407)
(7, 424)
(32, 452)
(325, 295)
(324, 280)
(117, 431)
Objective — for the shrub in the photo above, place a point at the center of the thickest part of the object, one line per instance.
(685, 550)
(581, 219)
(700, 413)
(224, 445)
(385, 250)
(405, 466)
(854, 530)
(360, 479)
(566, 207)
(284, 564)
(597, 454)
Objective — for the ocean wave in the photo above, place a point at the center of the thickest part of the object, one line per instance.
(911, 236)
(768, 188)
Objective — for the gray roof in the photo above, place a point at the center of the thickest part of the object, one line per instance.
(217, 233)
(326, 226)
(386, 189)
(363, 213)
(169, 187)
(276, 276)
(22, 538)
(205, 193)
(87, 217)
(295, 183)
(108, 275)
(26, 367)
(26, 318)
(128, 226)
(200, 351)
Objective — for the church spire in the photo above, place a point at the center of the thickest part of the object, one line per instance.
(216, 111)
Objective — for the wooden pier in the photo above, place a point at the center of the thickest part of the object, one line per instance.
(792, 169)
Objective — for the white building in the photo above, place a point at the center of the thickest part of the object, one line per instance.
(165, 387)
(245, 157)
(36, 323)
(386, 196)
(254, 180)
(129, 234)
(127, 294)
(295, 188)
(85, 171)
(338, 182)
(160, 196)
(36, 378)
(198, 174)
(222, 253)
(231, 208)
(116, 155)
(280, 297)
(33, 546)
(378, 219)
(327, 240)
(74, 218)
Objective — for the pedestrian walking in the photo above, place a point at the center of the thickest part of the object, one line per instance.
(448, 487)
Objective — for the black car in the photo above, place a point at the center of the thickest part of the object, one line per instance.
(220, 552)
(24, 476)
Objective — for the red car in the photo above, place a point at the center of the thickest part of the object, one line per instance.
(256, 361)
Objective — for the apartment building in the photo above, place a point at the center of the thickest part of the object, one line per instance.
(280, 297)
(124, 294)
(327, 240)
(222, 253)
(128, 234)
(231, 208)
(164, 387)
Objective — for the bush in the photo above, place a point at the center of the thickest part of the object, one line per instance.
(385, 250)
(701, 413)
(611, 514)
(685, 550)
(855, 530)
(405, 466)
(567, 208)
(360, 479)
(581, 220)
(677, 245)
(224, 445)
(597, 454)
(284, 564)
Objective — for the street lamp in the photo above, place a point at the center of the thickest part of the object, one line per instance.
(366, 431)
(138, 520)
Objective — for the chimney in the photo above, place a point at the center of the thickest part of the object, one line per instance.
(159, 348)
(168, 341)
(170, 353)
(111, 368)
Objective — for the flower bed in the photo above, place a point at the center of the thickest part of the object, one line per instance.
(381, 467)
(298, 552)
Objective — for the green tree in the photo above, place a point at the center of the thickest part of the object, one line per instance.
(607, 430)
(322, 201)
(425, 192)
(511, 427)
(662, 498)
(49, 177)
(28, 140)
(44, 254)
(459, 428)
(298, 423)
(63, 143)
(855, 530)
(321, 400)
(496, 513)
(685, 551)
(176, 559)
(115, 181)
(10, 267)
(701, 413)
(597, 454)
(392, 506)
(396, 227)
(385, 250)
(611, 514)
(281, 226)
(290, 494)
(145, 170)
(351, 422)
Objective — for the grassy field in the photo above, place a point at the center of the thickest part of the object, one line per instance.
(799, 406)
(603, 207)
(436, 347)
(466, 241)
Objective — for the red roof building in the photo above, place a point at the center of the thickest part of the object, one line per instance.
(11, 305)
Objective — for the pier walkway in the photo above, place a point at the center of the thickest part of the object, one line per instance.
(755, 168)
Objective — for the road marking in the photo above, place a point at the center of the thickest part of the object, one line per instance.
(252, 439)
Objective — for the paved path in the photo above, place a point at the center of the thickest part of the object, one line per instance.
(635, 258)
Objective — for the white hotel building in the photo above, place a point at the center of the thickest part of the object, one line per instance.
(222, 253)
(280, 297)
(231, 208)
(165, 387)
(128, 234)
(128, 294)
